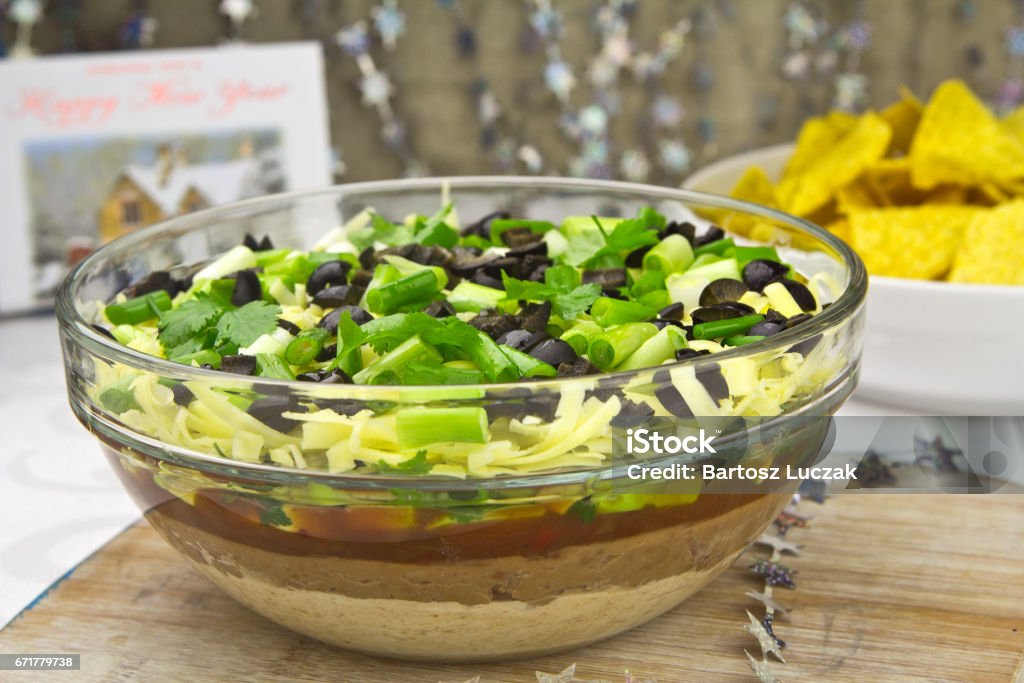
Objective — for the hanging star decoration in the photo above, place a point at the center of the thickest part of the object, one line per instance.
(389, 22)
(25, 14)
(775, 574)
(237, 12)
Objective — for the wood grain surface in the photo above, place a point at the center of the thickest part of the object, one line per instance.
(890, 588)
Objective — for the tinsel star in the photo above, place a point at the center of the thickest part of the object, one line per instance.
(1015, 41)
(389, 22)
(778, 543)
(767, 600)
(673, 156)
(787, 519)
(761, 668)
(634, 165)
(774, 573)
(768, 642)
(354, 39)
(568, 675)
(376, 88)
(559, 78)
(531, 158)
(768, 622)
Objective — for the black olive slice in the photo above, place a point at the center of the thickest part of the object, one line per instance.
(765, 328)
(288, 325)
(721, 291)
(554, 352)
(760, 273)
(239, 364)
(328, 274)
(247, 288)
(712, 234)
(672, 312)
(801, 295)
(632, 414)
(338, 295)
(268, 411)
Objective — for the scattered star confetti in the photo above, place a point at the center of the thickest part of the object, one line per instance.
(634, 165)
(673, 156)
(559, 78)
(767, 601)
(769, 644)
(761, 668)
(778, 543)
(774, 573)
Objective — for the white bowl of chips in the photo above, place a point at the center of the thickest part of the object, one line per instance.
(947, 347)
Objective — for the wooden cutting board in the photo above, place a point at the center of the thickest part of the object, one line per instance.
(890, 588)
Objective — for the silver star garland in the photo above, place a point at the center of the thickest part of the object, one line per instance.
(237, 12)
(375, 85)
(25, 14)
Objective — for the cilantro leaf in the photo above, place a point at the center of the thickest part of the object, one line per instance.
(417, 464)
(435, 230)
(568, 298)
(381, 230)
(604, 248)
(177, 325)
(245, 325)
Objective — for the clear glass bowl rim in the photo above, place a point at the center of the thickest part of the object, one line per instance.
(82, 333)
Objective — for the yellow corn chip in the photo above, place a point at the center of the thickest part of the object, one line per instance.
(1014, 123)
(993, 248)
(833, 166)
(946, 194)
(959, 141)
(840, 229)
(755, 186)
(816, 135)
(860, 194)
(918, 242)
(903, 117)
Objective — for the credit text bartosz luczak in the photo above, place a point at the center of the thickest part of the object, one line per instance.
(642, 441)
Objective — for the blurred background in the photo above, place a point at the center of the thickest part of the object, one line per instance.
(645, 90)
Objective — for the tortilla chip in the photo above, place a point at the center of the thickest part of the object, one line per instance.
(755, 186)
(919, 242)
(840, 229)
(993, 248)
(947, 194)
(903, 117)
(836, 165)
(959, 141)
(860, 194)
(815, 135)
(1014, 123)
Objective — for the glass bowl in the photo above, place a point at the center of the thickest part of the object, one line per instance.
(504, 562)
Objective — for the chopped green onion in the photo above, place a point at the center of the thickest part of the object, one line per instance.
(607, 311)
(422, 374)
(272, 365)
(579, 335)
(725, 328)
(745, 255)
(658, 299)
(672, 255)
(306, 346)
(656, 350)
(418, 427)
(238, 258)
(203, 357)
(270, 256)
(407, 267)
(718, 247)
(390, 365)
(528, 365)
(612, 347)
(723, 268)
(418, 287)
(469, 296)
(140, 309)
(489, 357)
(742, 339)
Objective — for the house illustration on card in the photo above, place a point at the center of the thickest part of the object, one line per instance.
(143, 195)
